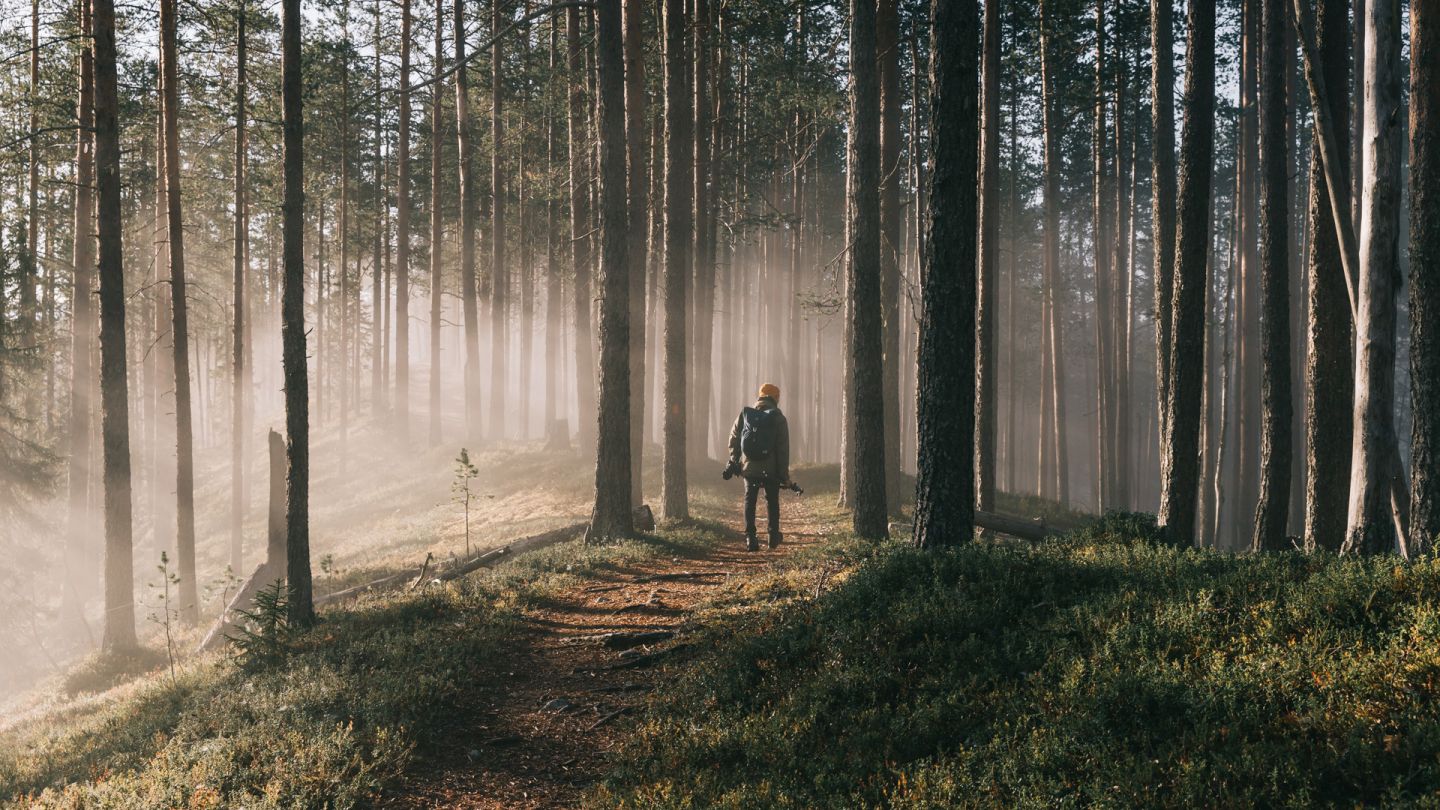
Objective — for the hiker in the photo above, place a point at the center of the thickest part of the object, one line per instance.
(760, 449)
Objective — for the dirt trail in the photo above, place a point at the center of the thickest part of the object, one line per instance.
(546, 717)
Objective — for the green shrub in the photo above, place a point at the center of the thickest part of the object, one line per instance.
(1091, 670)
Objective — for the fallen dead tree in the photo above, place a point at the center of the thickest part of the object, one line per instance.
(1033, 529)
(1024, 528)
(534, 542)
(264, 577)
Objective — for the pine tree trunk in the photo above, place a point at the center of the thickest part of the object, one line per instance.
(402, 237)
(554, 294)
(612, 517)
(945, 488)
(637, 134)
(1369, 529)
(114, 402)
(674, 495)
(863, 284)
(1055, 435)
(1424, 276)
(580, 228)
(1123, 280)
(703, 297)
(297, 407)
(1162, 186)
(239, 417)
(79, 550)
(499, 272)
(1187, 356)
(887, 45)
(988, 281)
(379, 288)
(1104, 286)
(1272, 511)
(343, 355)
(180, 330)
(469, 293)
(437, 223)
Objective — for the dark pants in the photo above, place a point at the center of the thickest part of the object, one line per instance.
(772, 506)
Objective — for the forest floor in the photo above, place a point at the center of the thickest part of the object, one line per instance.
(553, 708)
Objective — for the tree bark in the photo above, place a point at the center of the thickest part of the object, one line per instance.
(179, 313)
(1329, 371)
(437, 222)
(297, 407)
(1187, 361)
(1162, 185)
(637, 134)
(468, 291)
(674, 495)
(499, 272)
(863, 279)
(986, 357)
(887, 44)
(239, 418)
(612, 516)
(79, 570)
(1272, 511)
(703, 294)
(1369, 528)
(119, 632)
(1424, 275)
(402, 236)
(580, 227)
(945, 487)
(1055, 436)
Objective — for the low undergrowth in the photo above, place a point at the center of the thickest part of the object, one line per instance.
(1102, 668)
(327, 723)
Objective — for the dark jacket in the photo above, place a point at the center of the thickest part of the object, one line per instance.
(777, 466)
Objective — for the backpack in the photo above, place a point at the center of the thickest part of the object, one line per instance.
(757, 433)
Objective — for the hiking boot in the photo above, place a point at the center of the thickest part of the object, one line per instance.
(774, 539)
(752, 543)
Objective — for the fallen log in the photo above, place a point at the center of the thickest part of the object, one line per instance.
(534, 542)
(243, 599)
(1033, 529)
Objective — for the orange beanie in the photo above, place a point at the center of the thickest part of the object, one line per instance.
(769, 390)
